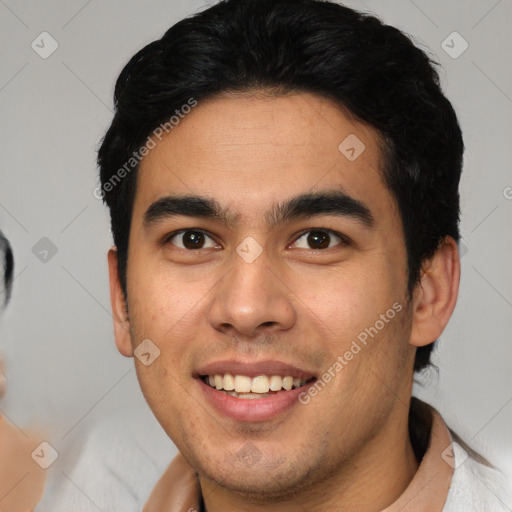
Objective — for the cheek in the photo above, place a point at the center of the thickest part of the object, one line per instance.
(162, 304)
(344, 301)
(161, 311)
(360, 317)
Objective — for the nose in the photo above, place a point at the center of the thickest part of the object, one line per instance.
(252, 299)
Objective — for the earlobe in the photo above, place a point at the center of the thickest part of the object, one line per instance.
(118, 304)
(435, 296)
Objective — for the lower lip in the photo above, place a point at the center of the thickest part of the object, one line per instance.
(255, 409)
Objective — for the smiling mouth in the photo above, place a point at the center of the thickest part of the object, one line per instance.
(261, 386)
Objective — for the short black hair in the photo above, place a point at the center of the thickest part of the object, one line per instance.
(7, 260)
(373, 70)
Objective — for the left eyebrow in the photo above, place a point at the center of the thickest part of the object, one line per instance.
(307, 205)
(336, 203)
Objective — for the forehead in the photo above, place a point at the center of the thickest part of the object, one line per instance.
(250, 150)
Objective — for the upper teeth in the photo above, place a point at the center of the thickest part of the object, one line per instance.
(259, 384)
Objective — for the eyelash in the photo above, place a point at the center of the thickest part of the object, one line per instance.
(344, 239)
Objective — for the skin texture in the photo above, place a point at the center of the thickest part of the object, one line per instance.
(21, 479)
(295, 303)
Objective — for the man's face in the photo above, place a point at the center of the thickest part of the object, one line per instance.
(295, 292)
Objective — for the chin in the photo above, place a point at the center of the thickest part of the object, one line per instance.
(258, 481)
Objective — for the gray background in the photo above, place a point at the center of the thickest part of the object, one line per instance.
(63, 368)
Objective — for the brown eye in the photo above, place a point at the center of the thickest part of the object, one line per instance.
(191, 239)
(317, 239)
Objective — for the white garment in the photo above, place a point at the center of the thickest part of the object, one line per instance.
(476, 487)
(110, 466)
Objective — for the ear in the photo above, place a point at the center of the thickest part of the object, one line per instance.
(118, 303)
(435, 296)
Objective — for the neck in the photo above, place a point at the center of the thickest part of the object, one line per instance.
(372, 480)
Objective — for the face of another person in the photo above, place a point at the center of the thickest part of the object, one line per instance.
(4, 249)
(317, 283)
